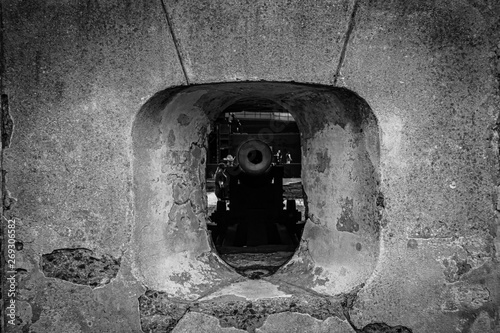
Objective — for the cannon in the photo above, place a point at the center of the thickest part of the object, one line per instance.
(256, 214)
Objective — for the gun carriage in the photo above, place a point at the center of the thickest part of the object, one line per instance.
(256, 213)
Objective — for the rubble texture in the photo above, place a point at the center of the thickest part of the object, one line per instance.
(78, 266)
(160, 313)
(106, 106)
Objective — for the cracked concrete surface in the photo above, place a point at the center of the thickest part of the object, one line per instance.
(170, 178)
(239, 306)
(175, 40)
(80, 267)
(350, 27)
(426, 72)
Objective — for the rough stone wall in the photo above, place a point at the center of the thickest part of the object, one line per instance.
(77, 74)
(171, 243)
(430, 69)
(340, 244)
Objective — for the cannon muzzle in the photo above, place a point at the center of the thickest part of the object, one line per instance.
(254, 156)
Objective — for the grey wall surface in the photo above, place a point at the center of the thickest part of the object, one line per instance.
(77, 74)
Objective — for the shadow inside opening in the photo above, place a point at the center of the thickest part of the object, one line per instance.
(255, 195)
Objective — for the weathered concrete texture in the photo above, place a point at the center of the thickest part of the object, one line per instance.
(426, 255)
(158, 314)
(256, 265)
(232, 308)
(260, 40)
(251, 289)
(276, 323)
(483, 323)
(53, 305)
(78, 266)
(7, 123)
(171, 242)
(340, 177)
(192, 323)
(384, 328)
(76, 75)
(301, 323)
(427, 70)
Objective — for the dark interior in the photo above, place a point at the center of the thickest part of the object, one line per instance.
(254, 216)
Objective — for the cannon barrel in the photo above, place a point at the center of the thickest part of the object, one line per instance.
(254, 157)
(255, 202)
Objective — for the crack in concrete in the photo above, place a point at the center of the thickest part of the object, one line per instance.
(350, 28)
(176, 41)
(158, 311)
(348, 303)
(7, 122)
(496, 63)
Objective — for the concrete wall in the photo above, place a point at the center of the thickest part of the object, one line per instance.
(77, 74)
(340, 177)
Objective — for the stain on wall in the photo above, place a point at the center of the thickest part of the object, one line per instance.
(323, 161)
(346, 221)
